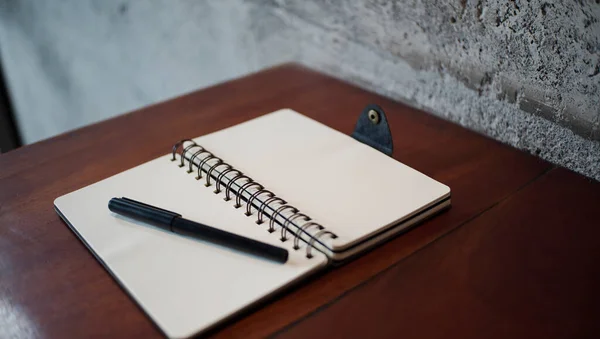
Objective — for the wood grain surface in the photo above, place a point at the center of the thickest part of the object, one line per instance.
(528, 268)
(51, 286)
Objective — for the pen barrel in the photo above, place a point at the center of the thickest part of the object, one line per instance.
(230, 240)
(153, 216)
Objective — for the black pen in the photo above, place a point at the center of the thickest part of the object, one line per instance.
(173, 222)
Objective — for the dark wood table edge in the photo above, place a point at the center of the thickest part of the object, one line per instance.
(83, 129)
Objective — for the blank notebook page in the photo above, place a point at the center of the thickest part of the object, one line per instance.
(184, 285)
(346, 186)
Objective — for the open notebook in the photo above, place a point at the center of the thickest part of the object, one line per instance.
(328, 196)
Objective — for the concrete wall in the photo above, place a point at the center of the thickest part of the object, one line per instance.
(523, 72)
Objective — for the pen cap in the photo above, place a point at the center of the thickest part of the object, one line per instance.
(143, 212)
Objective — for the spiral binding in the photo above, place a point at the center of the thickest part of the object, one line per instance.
(245, 183)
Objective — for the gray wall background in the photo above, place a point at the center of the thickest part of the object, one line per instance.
(525, 72)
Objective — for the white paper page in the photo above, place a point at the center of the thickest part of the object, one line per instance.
(185, 285)
(348, 187)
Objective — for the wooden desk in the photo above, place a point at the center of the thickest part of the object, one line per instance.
(516, 255)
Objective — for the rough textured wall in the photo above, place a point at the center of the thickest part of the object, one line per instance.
(73, 62)
(545, 55)
(509, 69)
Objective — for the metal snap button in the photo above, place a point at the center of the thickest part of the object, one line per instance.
(374, 116)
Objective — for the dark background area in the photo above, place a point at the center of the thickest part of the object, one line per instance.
(9, 137)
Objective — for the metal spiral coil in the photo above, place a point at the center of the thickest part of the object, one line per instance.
(261, 209)
(244, 184)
